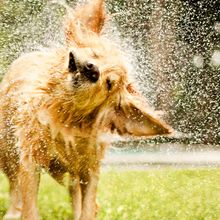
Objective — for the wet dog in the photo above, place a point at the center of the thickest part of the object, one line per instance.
(55, 106)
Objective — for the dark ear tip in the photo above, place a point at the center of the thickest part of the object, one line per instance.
(72, 64)
(71, 55)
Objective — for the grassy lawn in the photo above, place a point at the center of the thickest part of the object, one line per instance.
(138, 195)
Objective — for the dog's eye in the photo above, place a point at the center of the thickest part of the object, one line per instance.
(109, 84)
(95, 54)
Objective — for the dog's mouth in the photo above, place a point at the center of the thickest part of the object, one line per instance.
(83, 71)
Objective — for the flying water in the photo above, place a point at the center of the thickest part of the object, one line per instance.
(173, 48)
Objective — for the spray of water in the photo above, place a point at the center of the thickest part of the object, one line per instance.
(173, 48)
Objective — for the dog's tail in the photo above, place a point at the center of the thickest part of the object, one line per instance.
(88, 17)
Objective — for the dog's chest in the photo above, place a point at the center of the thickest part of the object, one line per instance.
(72, 146)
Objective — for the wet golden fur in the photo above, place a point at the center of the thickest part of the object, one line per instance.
(47, 121)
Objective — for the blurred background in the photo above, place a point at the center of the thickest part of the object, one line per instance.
(174, 49)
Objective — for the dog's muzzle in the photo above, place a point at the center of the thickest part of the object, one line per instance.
(91, 72)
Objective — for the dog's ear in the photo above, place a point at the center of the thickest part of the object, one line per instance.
(72, 63)
(92, 15)
(87, 18)
(133, 116)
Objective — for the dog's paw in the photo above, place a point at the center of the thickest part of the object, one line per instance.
(12, 216)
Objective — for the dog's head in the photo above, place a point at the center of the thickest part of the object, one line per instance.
(97, 78)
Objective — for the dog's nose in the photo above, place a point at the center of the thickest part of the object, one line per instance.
(91, 71)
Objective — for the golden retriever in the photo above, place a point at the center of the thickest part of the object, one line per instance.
(55, 106)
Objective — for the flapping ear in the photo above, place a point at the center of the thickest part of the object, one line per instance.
(133, 117)
(92, 15)
(89, 17)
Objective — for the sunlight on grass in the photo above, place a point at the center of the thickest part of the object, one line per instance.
(163, 194)
(137, 195)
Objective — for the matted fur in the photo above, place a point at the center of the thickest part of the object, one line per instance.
(52, 114)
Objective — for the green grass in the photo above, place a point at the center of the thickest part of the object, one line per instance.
(138, 195)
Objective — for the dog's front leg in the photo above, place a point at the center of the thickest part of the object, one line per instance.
(29, 181)
(76, 196)
(89, 197)
(14, 211)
